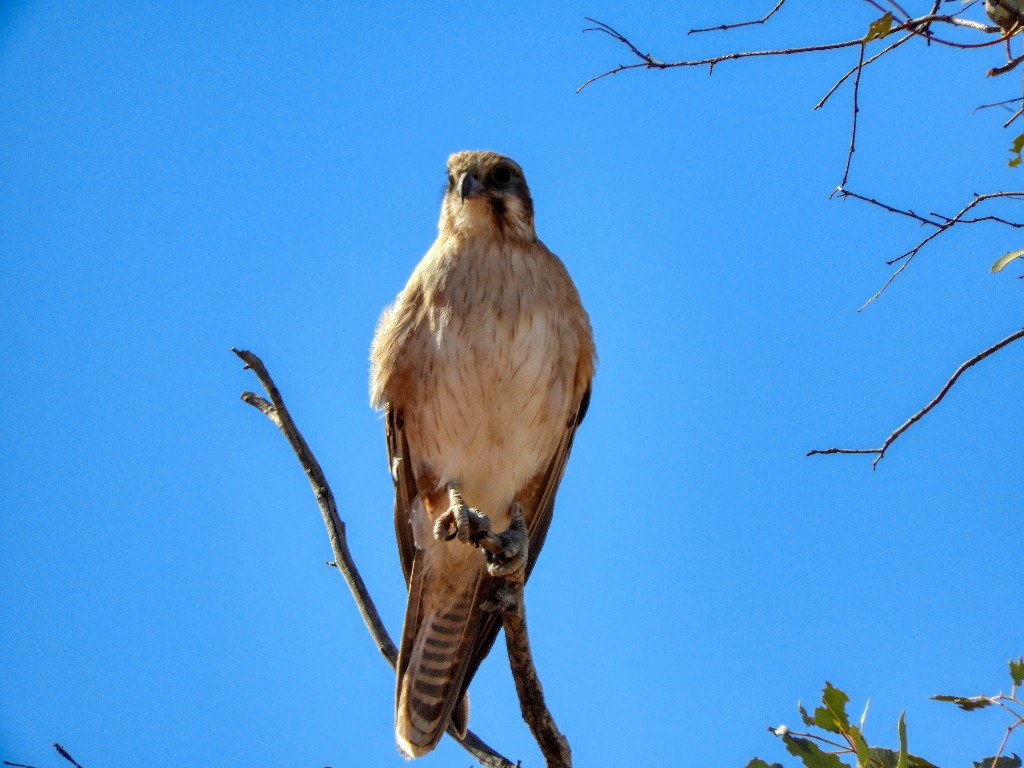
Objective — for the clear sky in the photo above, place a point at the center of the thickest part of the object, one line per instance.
(177, 179)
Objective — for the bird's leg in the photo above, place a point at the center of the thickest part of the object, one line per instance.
(503, 597)
(461, 521)
(507, 551)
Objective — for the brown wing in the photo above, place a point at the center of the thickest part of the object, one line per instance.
(405, 487)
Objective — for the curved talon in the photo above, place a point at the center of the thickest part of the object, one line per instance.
(445, 527)
(461, 521)
(506, 552)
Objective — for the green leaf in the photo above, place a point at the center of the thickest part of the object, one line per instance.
(860, 746)
(890, 758)
(1016, 148)
(879, 28)
(811, 755)
(966, 703)
(1002, 762)
(832, 717)
(1017, 667)
(808, 720)
(998, 267)
(759, 763)
(901, 729)
(884, 758)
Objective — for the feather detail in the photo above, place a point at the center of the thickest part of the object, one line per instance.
(440, 632)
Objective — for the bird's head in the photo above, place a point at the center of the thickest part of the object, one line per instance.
(486, 195)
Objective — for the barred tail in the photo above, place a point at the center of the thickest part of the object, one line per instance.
(442, 622)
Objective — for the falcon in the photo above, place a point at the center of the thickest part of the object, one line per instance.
(482, 367)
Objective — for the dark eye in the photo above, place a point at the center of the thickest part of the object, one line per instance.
(451, 181)
(501, 175)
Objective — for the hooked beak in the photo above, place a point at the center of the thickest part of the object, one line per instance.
(469, 186)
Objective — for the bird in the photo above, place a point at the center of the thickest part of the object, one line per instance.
(482, 367)
(1008, 14)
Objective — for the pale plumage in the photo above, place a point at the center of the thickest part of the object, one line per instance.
(483, 366)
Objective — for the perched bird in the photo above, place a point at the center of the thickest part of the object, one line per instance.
(1008, 14)
(483, 367)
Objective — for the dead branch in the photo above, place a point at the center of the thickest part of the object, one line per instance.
(879, 452)
(537, 716)
(531, 699)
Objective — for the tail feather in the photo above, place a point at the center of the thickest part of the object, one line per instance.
(442, 622)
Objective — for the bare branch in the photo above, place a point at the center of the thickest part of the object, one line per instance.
(649, 62)
(920, 26)
(879, 452)
(537, 716)
(723, 27)
(276, 411)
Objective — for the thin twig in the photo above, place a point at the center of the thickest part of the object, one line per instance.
(64, 753)
(723, 27)
(860, 66)
(996, 104)
(880, 451)
(275, 410)
(908, 212)
(853, 120)
(941, 227)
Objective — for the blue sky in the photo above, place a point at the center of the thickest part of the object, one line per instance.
(179, 179)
